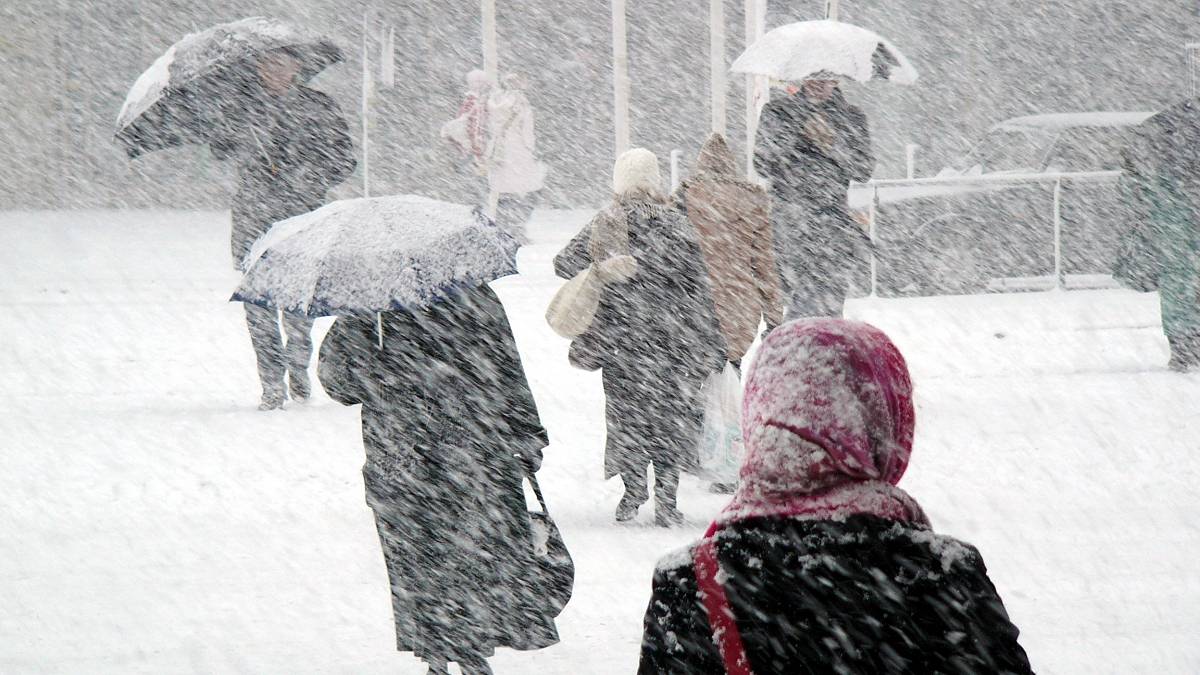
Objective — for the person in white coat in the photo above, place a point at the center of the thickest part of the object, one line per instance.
(513, 170)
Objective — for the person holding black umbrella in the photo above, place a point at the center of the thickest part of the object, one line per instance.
(291, 144)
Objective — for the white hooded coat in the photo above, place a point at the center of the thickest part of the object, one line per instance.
(512, 165)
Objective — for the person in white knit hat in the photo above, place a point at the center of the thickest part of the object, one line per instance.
(655, 335)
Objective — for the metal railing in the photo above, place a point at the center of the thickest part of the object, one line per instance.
(1057, 179)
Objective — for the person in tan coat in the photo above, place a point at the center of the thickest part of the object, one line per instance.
(732, 220)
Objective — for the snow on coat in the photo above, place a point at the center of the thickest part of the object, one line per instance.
(804, 166)
(826, 564)
(731, 217)
(810, 152)
(512, 162)
(290, 151)
(863, 595)
(447, 416)
(655, 336)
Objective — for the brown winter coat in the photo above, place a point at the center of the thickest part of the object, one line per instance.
(732, 220)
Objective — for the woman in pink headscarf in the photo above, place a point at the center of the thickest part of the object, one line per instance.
(821, 563)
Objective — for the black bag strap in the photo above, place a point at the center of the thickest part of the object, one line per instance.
(537, 491)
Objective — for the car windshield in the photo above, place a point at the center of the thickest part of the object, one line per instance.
(1009, 150)
(1088, 149)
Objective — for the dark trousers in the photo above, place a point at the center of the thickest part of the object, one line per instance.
(278, 352)
(666, 485)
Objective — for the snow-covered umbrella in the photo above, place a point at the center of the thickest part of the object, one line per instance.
(362, 256)
(801, 50)
(180, 98)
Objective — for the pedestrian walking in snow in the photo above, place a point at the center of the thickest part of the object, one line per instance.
(820, 563)
(449, 426)
(514, 173)
(1162, 248)
(468, 131)
(292, 145)
(732, 219)
(811, 144)
(655, 335)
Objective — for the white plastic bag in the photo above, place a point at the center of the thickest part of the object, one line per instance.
(721, 448)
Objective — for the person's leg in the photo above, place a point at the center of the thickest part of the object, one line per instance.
(666, 489)
(299, 353)
(263, 325)
(637, 492)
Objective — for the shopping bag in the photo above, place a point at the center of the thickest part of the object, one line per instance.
(721, 447)
(573, 308)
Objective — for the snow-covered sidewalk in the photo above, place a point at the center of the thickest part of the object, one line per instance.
(151, 520)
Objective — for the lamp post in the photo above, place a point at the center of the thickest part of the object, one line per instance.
(620, 77)
(716, 46)
(757, 87)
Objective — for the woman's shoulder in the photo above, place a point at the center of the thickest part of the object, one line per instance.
(677, 562)
(856, 536)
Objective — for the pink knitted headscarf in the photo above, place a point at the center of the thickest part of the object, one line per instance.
(828, 423)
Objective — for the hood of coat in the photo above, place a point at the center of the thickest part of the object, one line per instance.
(636, 173)
(828, 423)
(716, 159)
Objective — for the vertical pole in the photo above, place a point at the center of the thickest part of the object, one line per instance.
(366, 92)
(910, 160)
(872, 214)
(831, 10)
(676, 154)
(1059, 275)
(1191, 61)
(620, 77)
(757, 87)
(716, 47)
(491, 59)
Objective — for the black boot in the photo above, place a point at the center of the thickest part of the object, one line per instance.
(627, 508)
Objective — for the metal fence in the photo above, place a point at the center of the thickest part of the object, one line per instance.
(1056, 179)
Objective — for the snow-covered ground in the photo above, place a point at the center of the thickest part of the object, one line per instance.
(152, 521)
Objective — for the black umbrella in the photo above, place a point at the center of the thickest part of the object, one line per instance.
(184, 95)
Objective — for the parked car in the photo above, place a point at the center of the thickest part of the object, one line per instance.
(989, 217)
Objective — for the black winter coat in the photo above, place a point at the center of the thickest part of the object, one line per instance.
(447, 420)
(656, 337)
(291, 150)
(800, 171)
(862, 596)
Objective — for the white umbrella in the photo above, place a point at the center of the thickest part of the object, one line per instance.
(361, 256)
(800, 50)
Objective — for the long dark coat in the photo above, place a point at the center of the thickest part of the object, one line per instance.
(447, 416)
(817, 244)
(291, 150)
(656, 337)
(865, 595)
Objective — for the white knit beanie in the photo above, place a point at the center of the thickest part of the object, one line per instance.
(637, 170)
